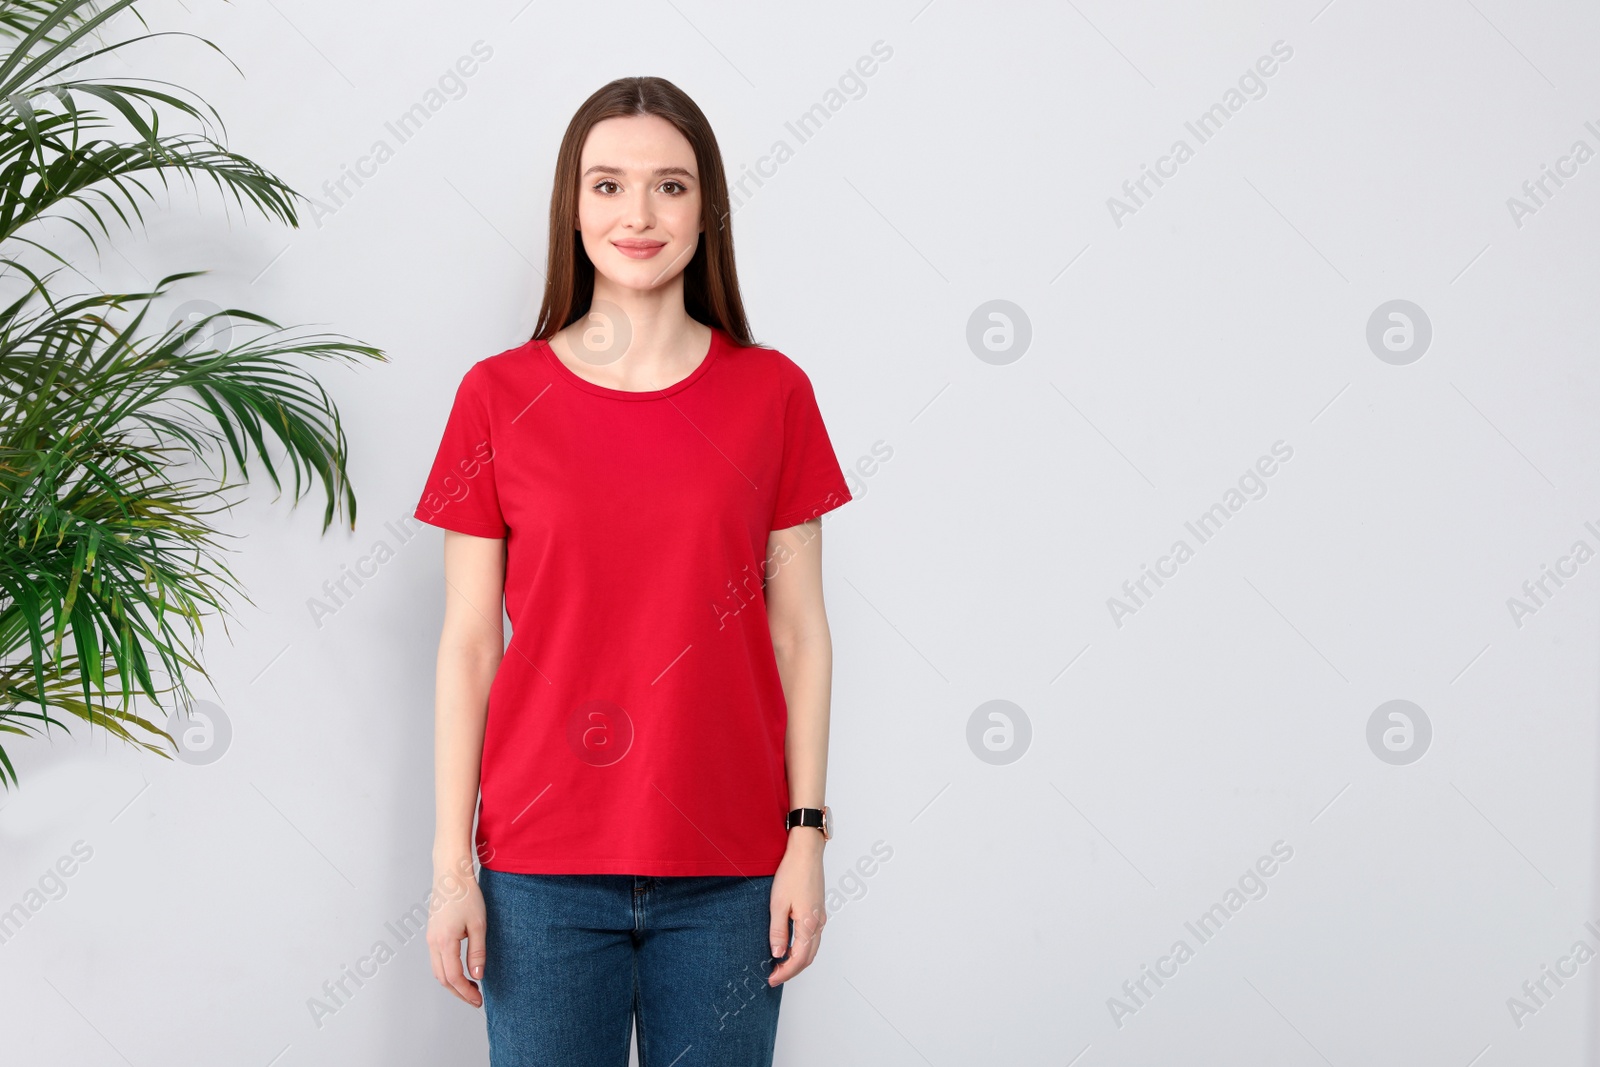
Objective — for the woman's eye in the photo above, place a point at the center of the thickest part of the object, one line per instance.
(680, 187)
(600, 186)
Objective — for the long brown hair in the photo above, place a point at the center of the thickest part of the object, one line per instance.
(710, 283)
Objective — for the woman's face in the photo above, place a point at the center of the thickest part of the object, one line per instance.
(638, 200)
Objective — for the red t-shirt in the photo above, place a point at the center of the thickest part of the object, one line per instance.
(636, 722)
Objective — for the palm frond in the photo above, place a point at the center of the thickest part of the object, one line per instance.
(121, 443)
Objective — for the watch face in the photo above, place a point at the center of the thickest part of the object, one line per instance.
(827, 823)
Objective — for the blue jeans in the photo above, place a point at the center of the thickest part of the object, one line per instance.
(574, 959)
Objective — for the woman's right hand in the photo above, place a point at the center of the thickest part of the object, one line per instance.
(456, 911)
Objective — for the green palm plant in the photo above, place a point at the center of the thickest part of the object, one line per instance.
(108, 558)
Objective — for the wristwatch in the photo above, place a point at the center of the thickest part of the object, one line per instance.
(821, 818)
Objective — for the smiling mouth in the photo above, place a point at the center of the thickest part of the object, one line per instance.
(639, 249)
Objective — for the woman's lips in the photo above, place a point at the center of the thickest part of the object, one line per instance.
(639, 249)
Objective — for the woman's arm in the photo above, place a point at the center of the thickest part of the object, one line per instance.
(471, 644)
(804, 650)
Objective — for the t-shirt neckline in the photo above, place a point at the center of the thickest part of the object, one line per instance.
(572, 377)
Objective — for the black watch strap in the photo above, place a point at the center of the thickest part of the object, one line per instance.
(803, 817)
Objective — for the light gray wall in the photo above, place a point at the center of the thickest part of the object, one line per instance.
(1171, 349)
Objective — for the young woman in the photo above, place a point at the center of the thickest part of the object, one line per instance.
(642, 485)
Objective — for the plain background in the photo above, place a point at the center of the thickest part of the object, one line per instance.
(1166, 753)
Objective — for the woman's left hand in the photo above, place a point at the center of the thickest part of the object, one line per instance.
(798, 893)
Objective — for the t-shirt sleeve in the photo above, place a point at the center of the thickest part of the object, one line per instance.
(810, 482)
(460, 491)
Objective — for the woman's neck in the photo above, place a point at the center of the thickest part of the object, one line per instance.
(633, 341)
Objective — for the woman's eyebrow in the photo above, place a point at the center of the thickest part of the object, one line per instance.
(603, 168)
